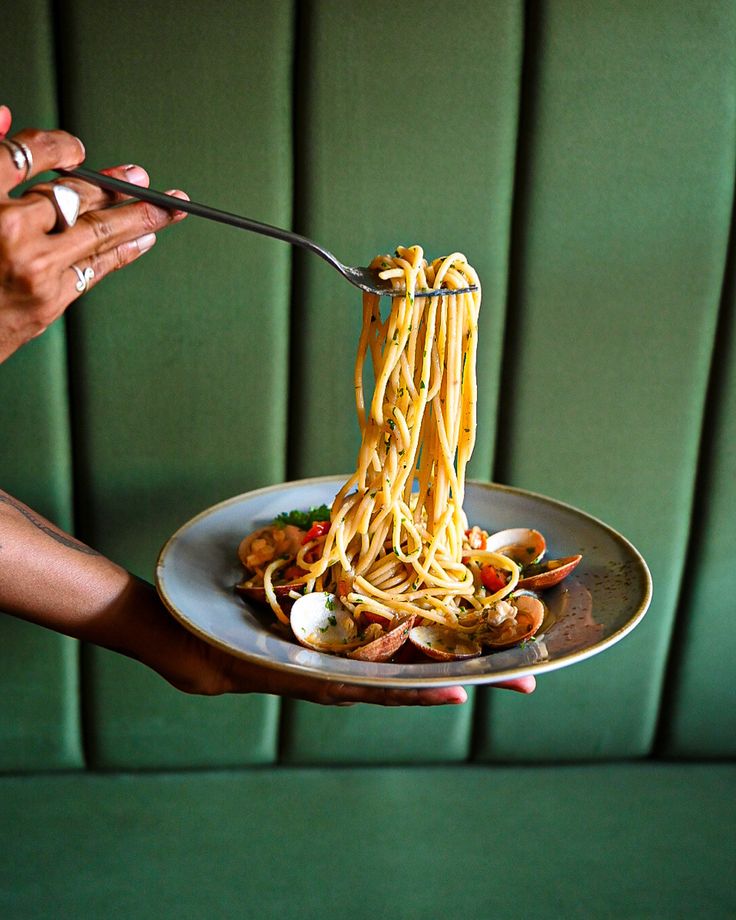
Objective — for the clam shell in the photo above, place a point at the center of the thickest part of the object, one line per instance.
(522, 544)
(321, 627)
(444, 644)
(554, 572)
(258, 593)
(388, 644)
(529, 617)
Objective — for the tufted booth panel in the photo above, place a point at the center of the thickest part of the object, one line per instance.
(39, 678)
(580, 154)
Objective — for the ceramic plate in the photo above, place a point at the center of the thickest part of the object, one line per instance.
(592, 609)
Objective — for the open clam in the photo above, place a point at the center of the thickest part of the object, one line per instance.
(260, 548)
(320, 622)
(528, 619)
(386, 646)
(258, 592)
(444, 644)
(522, 544)
(547, 574)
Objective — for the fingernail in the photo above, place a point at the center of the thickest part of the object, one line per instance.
(78, 159)
(5, 119)
(145, 242)
(177, 193)
(136, 174)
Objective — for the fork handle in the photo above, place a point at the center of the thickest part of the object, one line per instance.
(169, 202)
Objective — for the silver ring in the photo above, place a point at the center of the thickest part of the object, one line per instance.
(21, 156)
(84, 277)
(66, 203)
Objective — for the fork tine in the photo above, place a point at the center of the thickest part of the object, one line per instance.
(367, 280)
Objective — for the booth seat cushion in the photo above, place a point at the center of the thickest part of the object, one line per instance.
(637, 840)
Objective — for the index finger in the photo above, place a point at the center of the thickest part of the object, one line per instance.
(48, 150)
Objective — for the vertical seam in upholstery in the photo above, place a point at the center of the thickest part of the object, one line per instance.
(292, 371)
(57, 14)
(297, 272)
(527, 72)
(529, 60)
(710, 409)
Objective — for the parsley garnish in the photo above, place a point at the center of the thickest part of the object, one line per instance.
(303, 519)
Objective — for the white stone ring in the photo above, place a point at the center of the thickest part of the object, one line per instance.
(84, 276)
(66, 203)
(20, 154)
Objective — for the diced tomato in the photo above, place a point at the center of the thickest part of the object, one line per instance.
(318, 529)
(492, 579)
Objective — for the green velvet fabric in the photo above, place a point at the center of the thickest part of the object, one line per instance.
(389, 151)
(384, 158)
(179, 366)
(581, 155)
(39, 723)
(604, 842)
(366, 735)
(134, 720)
(622, 216)
(699, 716)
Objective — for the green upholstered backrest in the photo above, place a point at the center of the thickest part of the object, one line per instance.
(580, 153)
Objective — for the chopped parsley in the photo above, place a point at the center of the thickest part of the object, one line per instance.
(303, 519)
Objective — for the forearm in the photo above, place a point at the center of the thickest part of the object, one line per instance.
(53, 580)
(49, 578)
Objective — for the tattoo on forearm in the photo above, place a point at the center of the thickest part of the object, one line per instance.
(59, 536)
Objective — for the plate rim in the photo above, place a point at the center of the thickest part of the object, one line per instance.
(410, 681)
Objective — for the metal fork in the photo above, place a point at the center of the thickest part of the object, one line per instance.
(364, 278)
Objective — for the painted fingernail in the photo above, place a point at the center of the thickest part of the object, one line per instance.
(5, 119)
(145, 242)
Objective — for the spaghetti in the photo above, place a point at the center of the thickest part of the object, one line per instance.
(396, 545)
